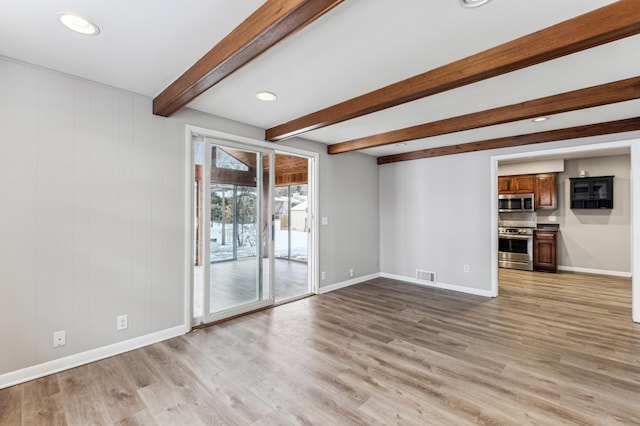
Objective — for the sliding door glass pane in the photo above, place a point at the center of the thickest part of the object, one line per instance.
(281, 212)
(223, 222)
(299, 224)
(235, 273)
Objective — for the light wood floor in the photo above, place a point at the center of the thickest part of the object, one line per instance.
(291, 279)
(552, 349)
(235, 282)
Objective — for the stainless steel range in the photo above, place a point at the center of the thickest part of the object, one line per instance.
(515, 240)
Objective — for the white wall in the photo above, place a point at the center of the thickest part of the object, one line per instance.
(435, 214)
(91, 220)
(92, 223)
(531, 167)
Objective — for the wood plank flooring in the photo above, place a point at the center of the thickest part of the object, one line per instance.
(291, 279)
(552, 349)
(235, 282)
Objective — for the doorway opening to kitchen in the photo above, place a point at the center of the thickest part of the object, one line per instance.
(564, 237)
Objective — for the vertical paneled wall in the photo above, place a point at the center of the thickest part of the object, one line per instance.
(91, 216)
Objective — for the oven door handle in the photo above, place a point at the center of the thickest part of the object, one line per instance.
(515, 237)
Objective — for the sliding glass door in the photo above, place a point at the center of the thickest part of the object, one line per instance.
(253, 241)
(236, 276)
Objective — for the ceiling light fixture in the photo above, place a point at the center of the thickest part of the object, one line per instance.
(78, 24)
(266, 96)
(540, 119)
(473, 3)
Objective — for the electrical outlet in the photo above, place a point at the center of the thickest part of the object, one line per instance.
(122, 322)
(351, 273)
(59, 338)
(323, 275)
(466, 269)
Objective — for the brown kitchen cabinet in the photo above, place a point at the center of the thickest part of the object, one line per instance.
(518, 184)
(544, 251)
(504, 184)
(545, 192)
(543, 186)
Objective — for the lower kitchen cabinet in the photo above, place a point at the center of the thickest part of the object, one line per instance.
(544, 251)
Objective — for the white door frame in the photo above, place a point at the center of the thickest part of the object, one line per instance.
(634, 147)
(313, 185)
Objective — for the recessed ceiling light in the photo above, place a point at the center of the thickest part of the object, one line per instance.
(540, 119)
(78, 24)
(266, 96)
(473, 3)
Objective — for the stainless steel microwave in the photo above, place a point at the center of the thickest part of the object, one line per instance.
(515, 203)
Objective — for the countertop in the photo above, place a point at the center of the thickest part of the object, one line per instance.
(549, 227)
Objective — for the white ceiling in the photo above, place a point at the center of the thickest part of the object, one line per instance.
(359, 46)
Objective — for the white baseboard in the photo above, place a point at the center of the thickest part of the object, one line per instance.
(347, 283)
(75, 360)
(445, 286)
(594, 271)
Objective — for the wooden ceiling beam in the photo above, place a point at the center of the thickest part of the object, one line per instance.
(609, 23)
(610, 127)
(604, 94)
(271, 23)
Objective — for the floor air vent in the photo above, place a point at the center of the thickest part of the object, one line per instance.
(426, 276)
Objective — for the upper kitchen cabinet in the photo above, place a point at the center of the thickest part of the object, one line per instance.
(592, 192)
(543, 186)
(545, 192)
(504, 184)
(519, 184)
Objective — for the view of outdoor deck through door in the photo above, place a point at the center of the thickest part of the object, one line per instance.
(291, 235)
